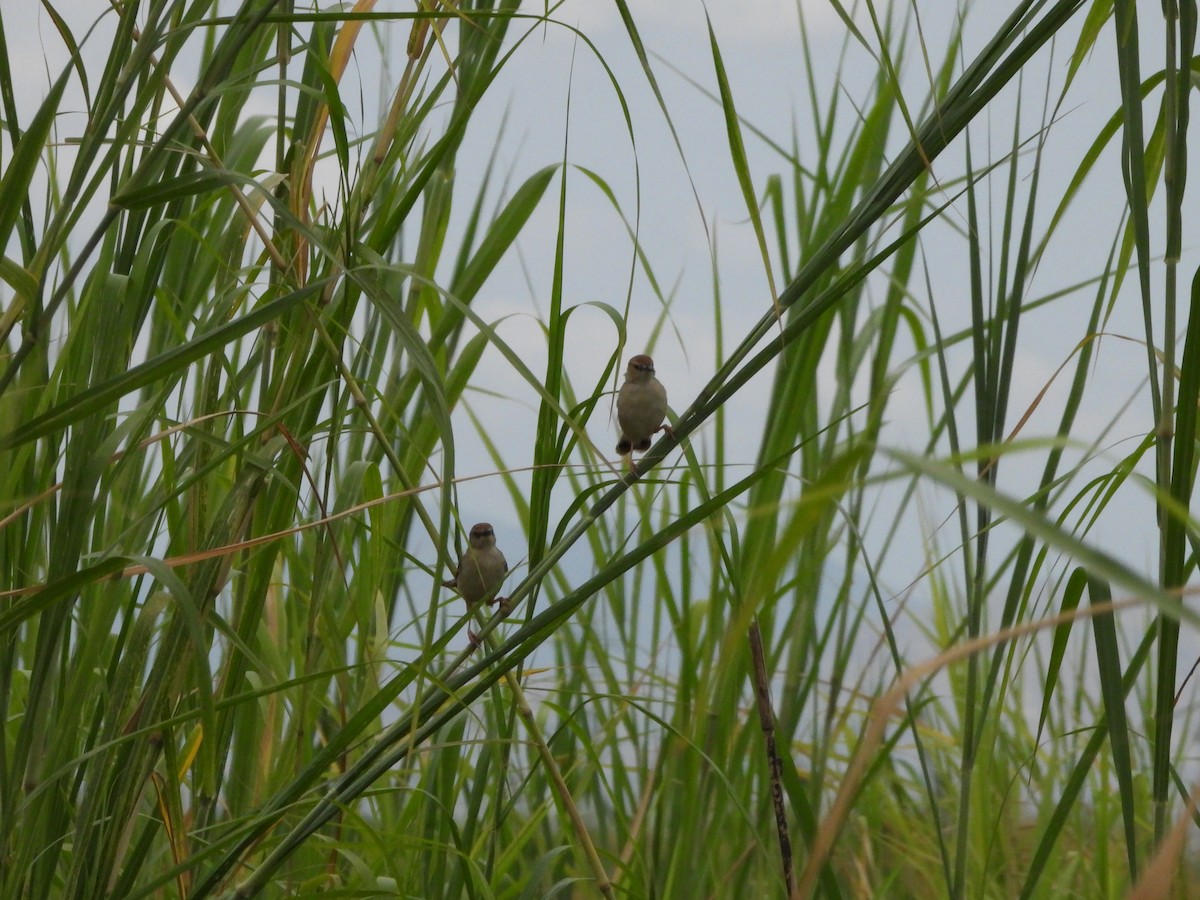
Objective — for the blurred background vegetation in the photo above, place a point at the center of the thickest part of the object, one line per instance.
(899, 613)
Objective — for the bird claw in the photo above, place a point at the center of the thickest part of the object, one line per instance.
(473, 639)
(503, 605)
(629, 460)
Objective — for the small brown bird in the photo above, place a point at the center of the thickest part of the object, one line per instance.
(481, 569)
(641, 407)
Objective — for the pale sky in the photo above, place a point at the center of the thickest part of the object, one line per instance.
(763, 54)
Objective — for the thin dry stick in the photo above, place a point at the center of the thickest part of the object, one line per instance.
(889, 704)
(587, 846)
(188, 559)
(639, 817)
(766, 718)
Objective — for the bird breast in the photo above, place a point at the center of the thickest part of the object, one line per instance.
(479, 574)
(641, 407)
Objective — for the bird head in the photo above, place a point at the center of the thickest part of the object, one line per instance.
(641, 368)
(482, 536)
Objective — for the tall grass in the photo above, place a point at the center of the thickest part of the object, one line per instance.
(246, 346)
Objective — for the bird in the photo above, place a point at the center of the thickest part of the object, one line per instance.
(481, 570)
(641, 407)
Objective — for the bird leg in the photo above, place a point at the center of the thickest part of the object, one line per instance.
(504, 607)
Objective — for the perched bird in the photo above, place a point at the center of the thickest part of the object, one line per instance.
(480, 571)
(641, 407)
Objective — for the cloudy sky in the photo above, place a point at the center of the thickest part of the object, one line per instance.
(556, 93)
